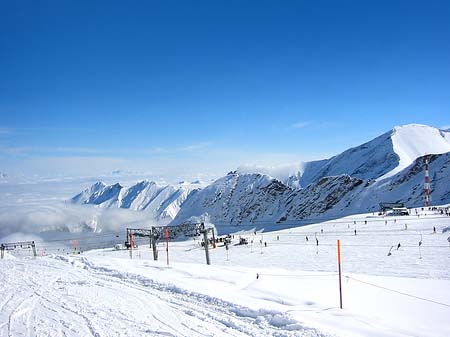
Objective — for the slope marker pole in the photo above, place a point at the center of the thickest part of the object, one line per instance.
(340, 276)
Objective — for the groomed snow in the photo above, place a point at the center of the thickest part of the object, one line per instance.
(105, 293)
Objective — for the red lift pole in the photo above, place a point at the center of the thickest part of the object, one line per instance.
(167, 244)
(426, 186)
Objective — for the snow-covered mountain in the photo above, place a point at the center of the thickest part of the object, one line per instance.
(388, 168)
(161, 202)
(236, 197)
(383, 156)
(248, 198)
(288, 174)
(379, 158)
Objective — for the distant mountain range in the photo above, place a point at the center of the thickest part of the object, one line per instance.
(162, 203)
(389, 168)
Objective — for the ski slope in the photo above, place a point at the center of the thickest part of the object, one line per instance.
(287, 288)
(414, 140)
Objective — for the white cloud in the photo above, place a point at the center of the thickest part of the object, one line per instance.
(195, 146)
(73, 150)
(170, 166)
(180, 149)
(36, 207)
(49, 150)
(71, 165)
(60, 217)
(5, 131)
(299, 125)
(14, 149)
(158, 150)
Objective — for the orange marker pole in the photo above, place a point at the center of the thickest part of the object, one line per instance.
(74, 246)
(340, 276)
(167, 244)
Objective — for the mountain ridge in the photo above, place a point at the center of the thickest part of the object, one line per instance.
(161, 202)
(385, 169)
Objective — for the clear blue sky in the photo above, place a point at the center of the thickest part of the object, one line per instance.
(203, 86)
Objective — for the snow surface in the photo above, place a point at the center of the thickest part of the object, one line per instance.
(287, 288)
(105, 293)
(414, 140)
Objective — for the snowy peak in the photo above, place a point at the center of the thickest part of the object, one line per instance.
(161, 202)
(255, 198)
(367, 161)
(100, 194)
(84, 196)
(236, 198)
(390, 167)
(138, 196)
(413, 141)
(288, 174)
(383, 156)
(248, 198)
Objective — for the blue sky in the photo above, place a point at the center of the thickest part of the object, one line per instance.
(190, 87)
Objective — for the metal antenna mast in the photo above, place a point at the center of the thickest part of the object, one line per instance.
(426, 185)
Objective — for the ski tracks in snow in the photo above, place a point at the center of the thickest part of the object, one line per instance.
(73, 297)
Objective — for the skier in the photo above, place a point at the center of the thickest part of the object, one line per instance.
(307, 238)
(399, 245)
(434, 230)
(355, 231)
(317, 241)
(389, 254)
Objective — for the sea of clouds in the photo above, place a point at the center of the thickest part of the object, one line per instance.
(34, 210)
